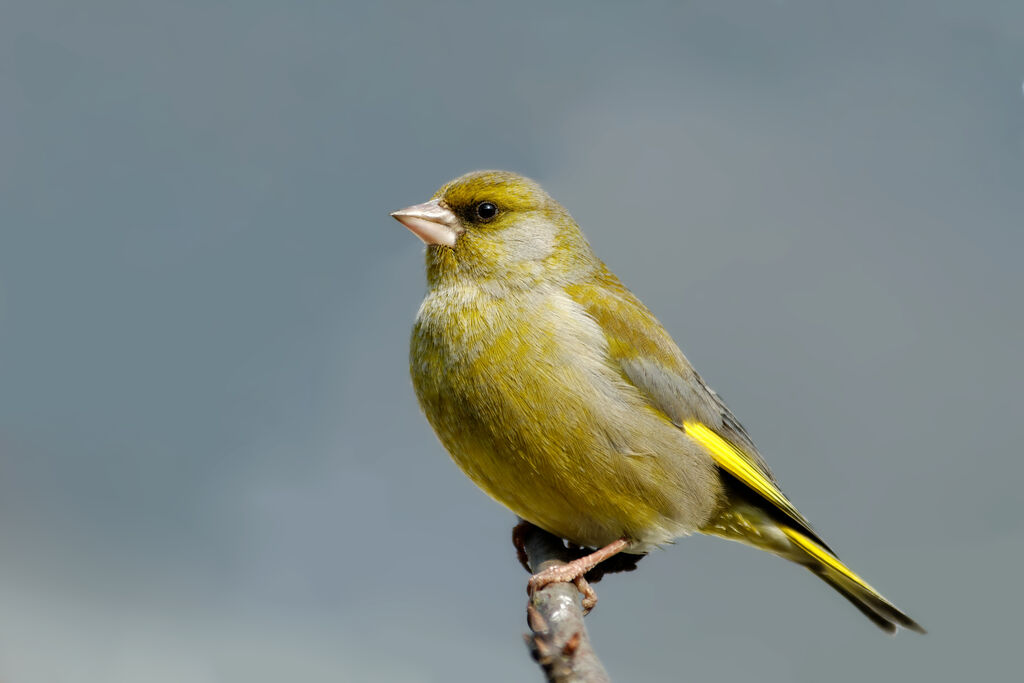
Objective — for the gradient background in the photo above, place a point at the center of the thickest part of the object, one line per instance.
(212, 465)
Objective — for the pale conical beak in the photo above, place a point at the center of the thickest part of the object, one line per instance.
(432, 222)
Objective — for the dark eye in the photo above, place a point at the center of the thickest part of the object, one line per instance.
(486, 210)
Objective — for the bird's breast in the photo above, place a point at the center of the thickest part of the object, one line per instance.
(521, 392)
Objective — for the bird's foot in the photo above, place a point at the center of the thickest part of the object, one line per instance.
(573, 572)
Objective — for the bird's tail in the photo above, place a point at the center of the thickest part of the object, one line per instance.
(752, 527)
(827, 566)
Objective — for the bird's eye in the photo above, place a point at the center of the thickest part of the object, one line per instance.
(486, 210)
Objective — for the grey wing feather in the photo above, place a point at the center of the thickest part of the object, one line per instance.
(687, 397)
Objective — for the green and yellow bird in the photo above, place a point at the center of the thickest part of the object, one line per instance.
(559, 394)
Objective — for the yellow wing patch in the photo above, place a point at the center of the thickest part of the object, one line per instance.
(732, 460)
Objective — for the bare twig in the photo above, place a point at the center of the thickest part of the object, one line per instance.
(554, 613)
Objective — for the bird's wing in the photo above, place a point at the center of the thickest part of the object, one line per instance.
(649, 359)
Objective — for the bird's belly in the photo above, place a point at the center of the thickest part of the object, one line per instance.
(534, 415)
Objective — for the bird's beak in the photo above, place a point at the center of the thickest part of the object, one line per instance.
(432, 222)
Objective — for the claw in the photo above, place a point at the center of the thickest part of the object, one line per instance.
(589, 595)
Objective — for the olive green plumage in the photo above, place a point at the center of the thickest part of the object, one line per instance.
(560, 394)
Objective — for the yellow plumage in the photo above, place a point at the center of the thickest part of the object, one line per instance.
(560, 394)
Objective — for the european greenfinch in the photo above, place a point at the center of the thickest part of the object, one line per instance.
(561, 395)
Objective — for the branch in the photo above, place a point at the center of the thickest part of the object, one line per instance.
(559, 642)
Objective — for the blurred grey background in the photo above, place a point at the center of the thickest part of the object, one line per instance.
(212, 465)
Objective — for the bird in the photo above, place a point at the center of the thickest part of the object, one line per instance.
(559, 393)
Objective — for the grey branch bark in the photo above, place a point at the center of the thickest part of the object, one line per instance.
(559, 641)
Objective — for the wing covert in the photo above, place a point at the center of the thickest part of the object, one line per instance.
(650, 360)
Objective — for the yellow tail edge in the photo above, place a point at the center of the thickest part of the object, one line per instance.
(827, 566)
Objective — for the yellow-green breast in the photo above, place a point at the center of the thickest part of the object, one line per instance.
(519, 389)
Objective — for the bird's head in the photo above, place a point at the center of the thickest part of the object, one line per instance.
(498, 226)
